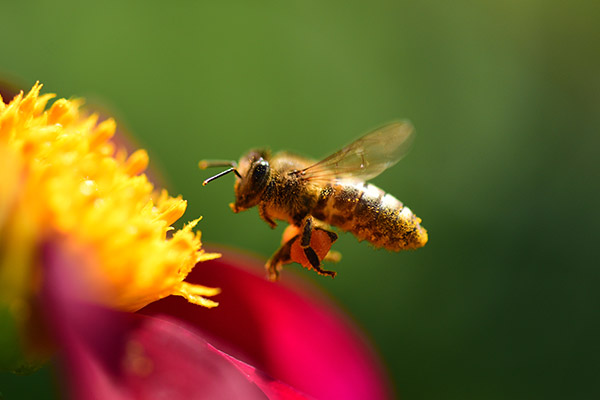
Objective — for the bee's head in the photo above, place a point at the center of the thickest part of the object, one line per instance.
(254, 175)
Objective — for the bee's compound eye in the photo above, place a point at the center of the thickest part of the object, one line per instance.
(261, 170)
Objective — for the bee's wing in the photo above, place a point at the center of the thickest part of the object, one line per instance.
(366, 157)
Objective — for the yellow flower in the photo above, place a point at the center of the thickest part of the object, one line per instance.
(62, 178)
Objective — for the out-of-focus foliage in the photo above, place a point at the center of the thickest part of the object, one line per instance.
(505, 97)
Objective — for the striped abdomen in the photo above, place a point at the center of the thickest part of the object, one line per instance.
(370, 214)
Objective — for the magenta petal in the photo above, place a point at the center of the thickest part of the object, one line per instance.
(272, 388)
(291, 333)
(115, 355)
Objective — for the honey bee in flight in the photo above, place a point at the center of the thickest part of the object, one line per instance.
(312, 196)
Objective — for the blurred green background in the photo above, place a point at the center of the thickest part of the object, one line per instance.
(505, 96)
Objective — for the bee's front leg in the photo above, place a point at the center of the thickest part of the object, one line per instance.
(264, 215)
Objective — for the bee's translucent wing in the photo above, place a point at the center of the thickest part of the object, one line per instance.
(366, 157)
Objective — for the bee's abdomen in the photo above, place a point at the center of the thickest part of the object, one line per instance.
(370, 214)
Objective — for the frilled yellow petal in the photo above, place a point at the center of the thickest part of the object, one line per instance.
(62, 176)
(197, 294)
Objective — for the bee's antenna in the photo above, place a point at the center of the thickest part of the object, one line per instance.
(219, 163)
(203, 164)
(220, 174)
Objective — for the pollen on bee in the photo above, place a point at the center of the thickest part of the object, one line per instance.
(320, 242)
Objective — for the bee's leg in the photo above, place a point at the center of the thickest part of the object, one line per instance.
(298, 245)
(306, 232)
(279, 259)
(262, 211)
(312, 257)
(316, 263)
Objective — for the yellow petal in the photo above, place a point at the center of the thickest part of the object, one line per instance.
(68, 179)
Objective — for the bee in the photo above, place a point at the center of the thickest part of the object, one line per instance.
(313, 196)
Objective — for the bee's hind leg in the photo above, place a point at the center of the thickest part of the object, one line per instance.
(316, 263)
(311, 255)
(307, 243)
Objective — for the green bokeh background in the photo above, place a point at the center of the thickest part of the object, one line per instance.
(505, 96)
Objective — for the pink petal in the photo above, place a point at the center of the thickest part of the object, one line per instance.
(115, 355)
(289, 331)
(272, 388)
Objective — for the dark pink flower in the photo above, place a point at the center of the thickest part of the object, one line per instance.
(265, 340)
(287, 330)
